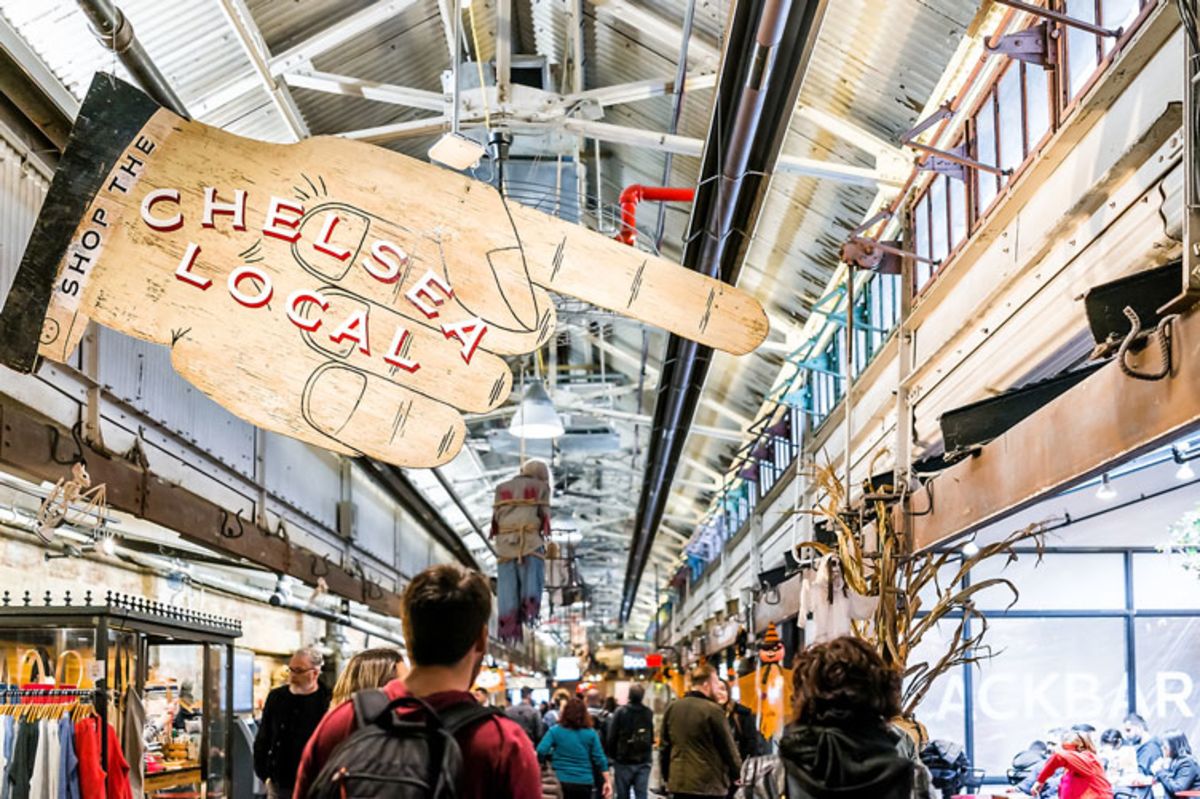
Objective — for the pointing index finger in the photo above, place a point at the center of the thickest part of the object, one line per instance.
(568, 259)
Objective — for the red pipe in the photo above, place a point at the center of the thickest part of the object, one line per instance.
(634, 194)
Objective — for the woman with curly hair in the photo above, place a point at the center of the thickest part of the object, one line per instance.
(841, 743)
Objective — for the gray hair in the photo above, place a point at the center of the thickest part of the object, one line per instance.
(313, 654)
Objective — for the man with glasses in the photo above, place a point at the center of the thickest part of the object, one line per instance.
(290, 715)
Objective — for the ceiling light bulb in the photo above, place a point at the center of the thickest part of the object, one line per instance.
(108, 546)
(970, 549)
(1106, 492)
(536, 416)
(1185, 472)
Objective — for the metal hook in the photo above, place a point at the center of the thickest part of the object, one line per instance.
(55, 436)
(1162, 333)
(226, 530)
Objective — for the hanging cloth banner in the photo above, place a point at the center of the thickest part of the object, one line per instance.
(330, 290)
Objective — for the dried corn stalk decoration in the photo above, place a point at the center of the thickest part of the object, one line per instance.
(899, 577)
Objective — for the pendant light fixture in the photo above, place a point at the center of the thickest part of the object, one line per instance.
(1106, 492)
(536, 416)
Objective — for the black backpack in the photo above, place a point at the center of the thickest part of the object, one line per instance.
(948, 766)
(387, 756)
(635, 735)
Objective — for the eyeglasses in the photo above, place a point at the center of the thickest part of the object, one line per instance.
(290, 670)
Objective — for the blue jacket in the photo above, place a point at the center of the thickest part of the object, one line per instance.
(574, 754)
(1181, 774)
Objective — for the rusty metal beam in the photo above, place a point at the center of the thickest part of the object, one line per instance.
(43, 450)
(1107, 419)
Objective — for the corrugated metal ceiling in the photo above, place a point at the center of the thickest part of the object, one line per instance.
(875, 64)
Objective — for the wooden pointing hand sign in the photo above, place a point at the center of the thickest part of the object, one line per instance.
(329, 290)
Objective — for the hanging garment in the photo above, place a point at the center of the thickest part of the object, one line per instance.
(94, 783)
(519, 585)
(520, 527)
(521, 512)
(44, 784)
(68, 764)
(117, 782)
(132, 739)
(20, 772)
(558, 574)
(7, 740)
(828, 606)
(87, 749)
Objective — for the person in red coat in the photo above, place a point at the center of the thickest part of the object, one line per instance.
(1085, 777)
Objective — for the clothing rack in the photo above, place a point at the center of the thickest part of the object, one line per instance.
(65, 693)
(124, 624)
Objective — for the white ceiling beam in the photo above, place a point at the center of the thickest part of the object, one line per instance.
(294, 57)
(704, 468)
(347, 86)
(699, 486)
(739, 419)
(32, 65)
(848, 131)
(503, 43)
(427, 126)
(622, 93)
(701, 53)
(621, 354)
(832, 170)
(635, 137)
(250, 37)
(446, 9)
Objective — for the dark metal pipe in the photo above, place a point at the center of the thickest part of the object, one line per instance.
(769, 44)
(115, 32)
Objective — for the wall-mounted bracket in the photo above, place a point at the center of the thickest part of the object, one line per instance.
(1065, 19)
(948, 162)
(1034, 45)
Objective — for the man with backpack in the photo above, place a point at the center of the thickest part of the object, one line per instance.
(425, 735)
(631, 744)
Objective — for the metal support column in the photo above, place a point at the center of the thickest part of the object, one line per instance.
(848, 399)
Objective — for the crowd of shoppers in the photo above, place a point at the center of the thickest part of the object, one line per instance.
(380, 722)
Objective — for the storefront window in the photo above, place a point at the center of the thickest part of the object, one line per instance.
(1161, 583)
(958, 212)
(1168, 673)
(943, 710)
(1047, 673)
(1076, 581)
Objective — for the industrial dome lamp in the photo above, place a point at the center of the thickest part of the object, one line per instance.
(536, 416)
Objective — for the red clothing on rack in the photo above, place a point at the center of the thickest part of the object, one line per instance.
(94, 783)
(1084, 779)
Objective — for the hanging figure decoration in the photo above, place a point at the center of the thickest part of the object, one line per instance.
(60, 505)
(829, 607)
(333, 291)
(771, 697)
(520, 529)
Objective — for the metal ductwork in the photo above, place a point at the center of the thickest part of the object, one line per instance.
(766, 55)
(114, 31)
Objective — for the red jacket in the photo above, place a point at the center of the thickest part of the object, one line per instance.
(499, 759)
(1084, 779)
(94, 783)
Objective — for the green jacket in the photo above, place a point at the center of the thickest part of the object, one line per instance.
(698, 755)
